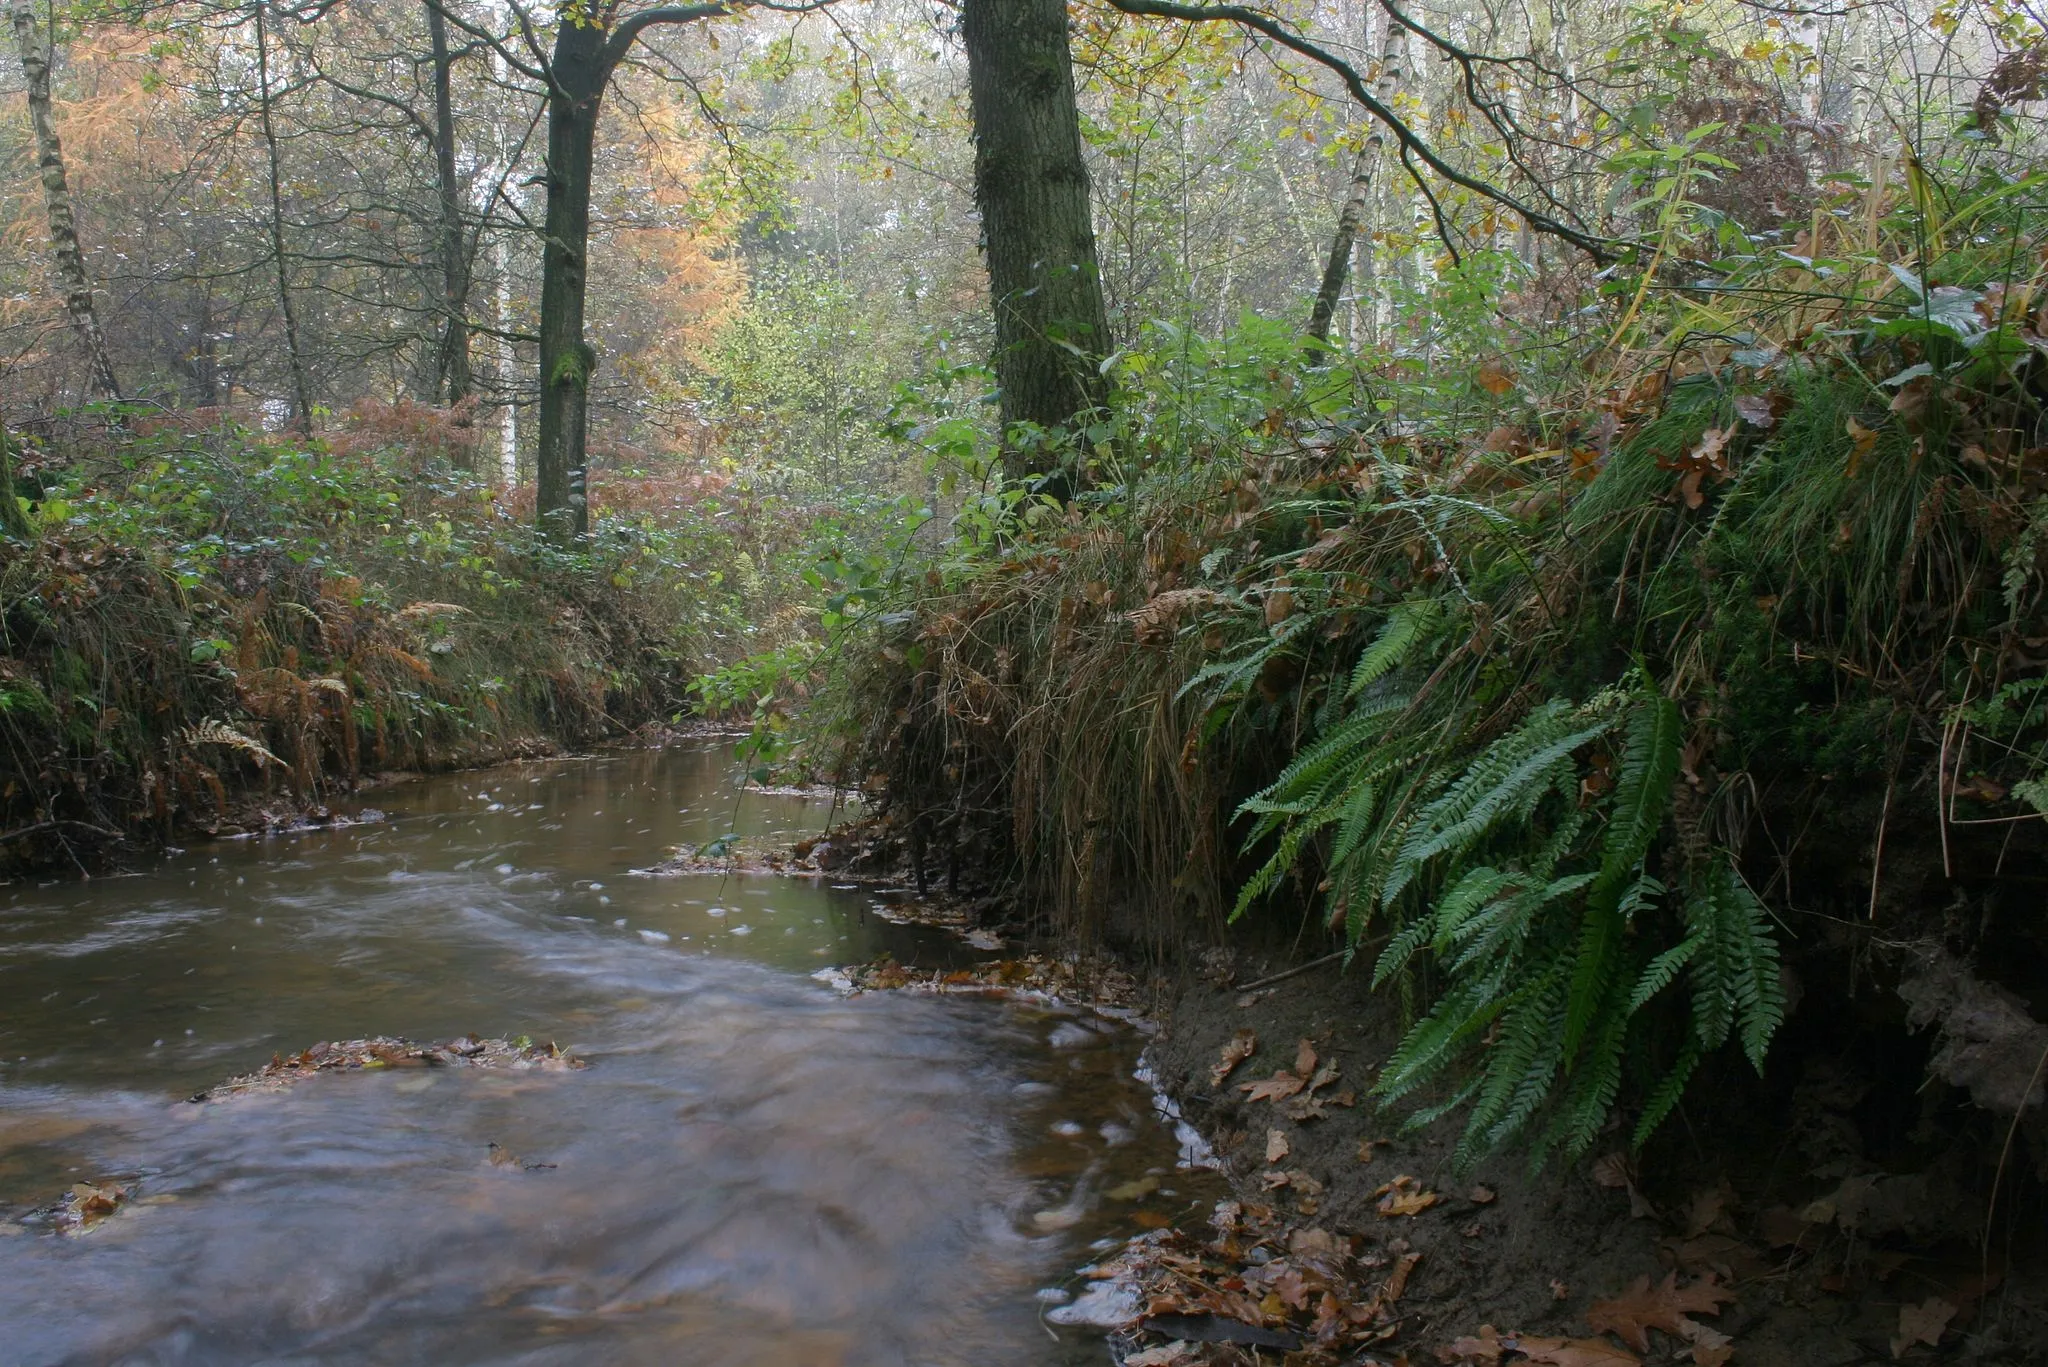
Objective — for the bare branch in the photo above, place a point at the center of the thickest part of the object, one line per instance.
(1412, 146)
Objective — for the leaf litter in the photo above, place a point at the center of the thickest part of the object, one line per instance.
(1256, 1283)
(386, 1051)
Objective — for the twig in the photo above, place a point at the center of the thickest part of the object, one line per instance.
(1991, 1207)
(1877, 856)
(39, 827)
(1294, 972)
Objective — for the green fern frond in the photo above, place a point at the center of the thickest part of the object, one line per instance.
(1660, 972)
(1736, 988)
(1410, 622)
(1642, 792)
(1664, 1096)
(1525, 763)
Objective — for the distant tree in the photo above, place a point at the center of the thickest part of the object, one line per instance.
(72, 279)
(590, 41)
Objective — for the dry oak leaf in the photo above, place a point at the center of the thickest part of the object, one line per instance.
(1403, 1196)
(1574, 1352)
(1482, 1349)
(1710, 1347)
(1482, 1195)
(1284, 1084)
(1236, 1051)
(1276, 1146)
(1642, 1307)
(1923, 1323)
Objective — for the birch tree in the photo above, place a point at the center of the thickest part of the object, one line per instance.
(69, 257)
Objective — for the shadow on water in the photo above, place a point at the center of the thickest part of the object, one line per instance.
(752, 1171)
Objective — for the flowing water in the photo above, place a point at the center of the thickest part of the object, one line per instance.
(752, 1170)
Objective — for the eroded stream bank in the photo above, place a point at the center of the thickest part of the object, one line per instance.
(753, 1169)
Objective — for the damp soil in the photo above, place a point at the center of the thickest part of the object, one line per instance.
(1786, 1196)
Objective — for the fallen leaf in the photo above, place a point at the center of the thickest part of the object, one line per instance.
(1276, 1146)
(1482, 1195)
(1236, 1051)
(1643, 1307)
(1475, 1350)
(1574, 1352)
(1366, 1146)
(1754, 409)
(1404, 1196)
(1782, 1227)
(1303, 1108)
(1611, 1170)
(1493, 377)
(1923, 1323)
(1135, 1190)
(1278, 1087)
(89, 1203)
(1305, 1059)
(1704, 1211)
(1398, 1282)
(1710, 1347)
(1166, 1355)
(1614, 1170)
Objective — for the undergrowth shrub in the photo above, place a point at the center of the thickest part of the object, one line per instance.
(1506, 688)
(196, 615)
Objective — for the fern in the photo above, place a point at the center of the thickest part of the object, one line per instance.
(1736, 988)
(1528, 894)
(1506, 780)
(1408, 624)
(1664, 1097)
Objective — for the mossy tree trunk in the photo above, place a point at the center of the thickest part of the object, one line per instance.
(13, 521)
(1031, 185)
(566, 360)
(588, 47)
(453, 363)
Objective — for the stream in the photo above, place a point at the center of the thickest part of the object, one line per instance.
(753, 1170)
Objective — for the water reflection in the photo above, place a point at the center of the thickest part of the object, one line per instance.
(752, 1171)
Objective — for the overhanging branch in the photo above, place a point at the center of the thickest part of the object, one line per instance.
(1412, 146)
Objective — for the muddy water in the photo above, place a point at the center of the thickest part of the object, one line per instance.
(753, 1170)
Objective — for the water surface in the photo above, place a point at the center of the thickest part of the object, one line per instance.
(753, 1170)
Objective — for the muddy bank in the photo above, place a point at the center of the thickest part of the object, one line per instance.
(1836, 1249)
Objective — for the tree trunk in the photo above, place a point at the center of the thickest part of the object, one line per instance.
(1032, 188)
(567, 362)
(13, 521)
(1363, 170)
(70, 257)
(302, 388)
(453, 369)
(508, 377)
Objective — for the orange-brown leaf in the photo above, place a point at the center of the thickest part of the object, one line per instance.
(1278, 1087)
(1574, 1352)
(1643, 1307)
(1236, 1051)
